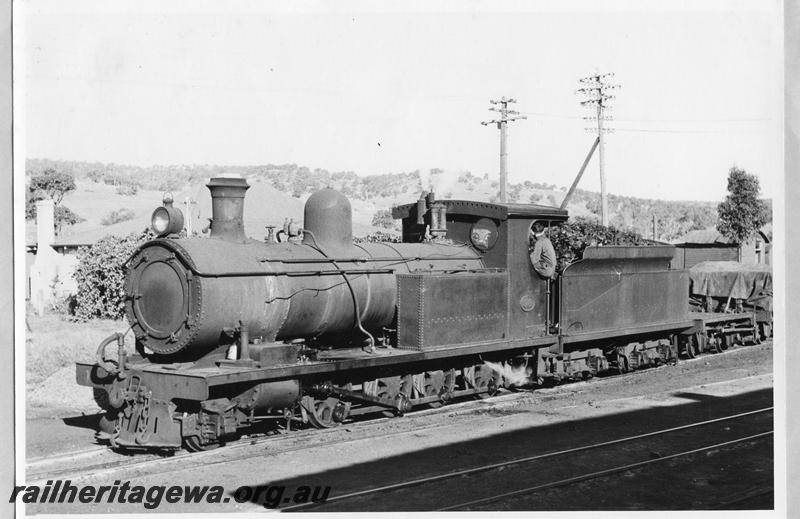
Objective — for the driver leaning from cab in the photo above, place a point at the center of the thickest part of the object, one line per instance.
(543, 257)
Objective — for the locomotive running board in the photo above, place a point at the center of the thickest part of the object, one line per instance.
(194, 383)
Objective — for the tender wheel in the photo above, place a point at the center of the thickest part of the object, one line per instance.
(766, 330)
(404, 405)
(716, 344)
(763, 331)
(194, 444)
(623, 365)
(492, 387)
(691, 346)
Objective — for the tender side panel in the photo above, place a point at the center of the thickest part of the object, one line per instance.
(622, 287)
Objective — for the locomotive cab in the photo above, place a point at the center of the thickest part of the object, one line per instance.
(499, 234)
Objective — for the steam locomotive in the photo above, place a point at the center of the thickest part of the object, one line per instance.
(233, 333)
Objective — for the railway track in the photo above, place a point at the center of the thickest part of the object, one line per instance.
(91, 462)
(85, 463)
(443, 485)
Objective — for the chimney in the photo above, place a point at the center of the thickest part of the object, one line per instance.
(227, 207)
(45, 227)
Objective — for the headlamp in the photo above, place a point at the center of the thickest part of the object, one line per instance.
(166, 219)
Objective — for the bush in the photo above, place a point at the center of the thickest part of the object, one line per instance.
(170, 184)
(383, 218)
(129, 189)
(101, 277)
(120, 215)
(378, 237)
(65, 306)
(95, 175)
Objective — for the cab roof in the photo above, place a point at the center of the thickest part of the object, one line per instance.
(490, 210)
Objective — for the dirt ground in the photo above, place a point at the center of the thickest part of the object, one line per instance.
(52, 346)
(452, 438)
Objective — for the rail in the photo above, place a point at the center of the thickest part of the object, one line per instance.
(528, 459)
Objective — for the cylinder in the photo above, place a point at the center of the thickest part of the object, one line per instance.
(269, 395)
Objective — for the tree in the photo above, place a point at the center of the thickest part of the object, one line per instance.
(63, 215)
(52, 184)
(383, 218)
(742, 213)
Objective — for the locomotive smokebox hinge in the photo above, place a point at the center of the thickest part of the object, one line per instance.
(142, 259)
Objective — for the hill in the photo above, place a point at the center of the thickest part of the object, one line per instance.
(282, 190)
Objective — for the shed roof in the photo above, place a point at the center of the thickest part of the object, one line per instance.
(712, 236)
(705, 237)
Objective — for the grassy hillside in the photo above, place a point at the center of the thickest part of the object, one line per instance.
(282, 190)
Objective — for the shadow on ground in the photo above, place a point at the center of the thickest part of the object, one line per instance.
(538, 440)
(89, 421)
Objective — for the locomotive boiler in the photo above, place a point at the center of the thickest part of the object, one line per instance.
(232, 334)
(185, 295)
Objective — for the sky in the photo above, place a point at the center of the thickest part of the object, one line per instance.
(398, 86)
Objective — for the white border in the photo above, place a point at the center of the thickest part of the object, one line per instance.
(20, 332)
(21, 7)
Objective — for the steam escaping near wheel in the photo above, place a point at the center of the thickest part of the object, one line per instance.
(513, 375)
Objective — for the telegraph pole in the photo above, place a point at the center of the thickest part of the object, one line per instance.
(595, 90)
(506, 116)
(655, 222)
